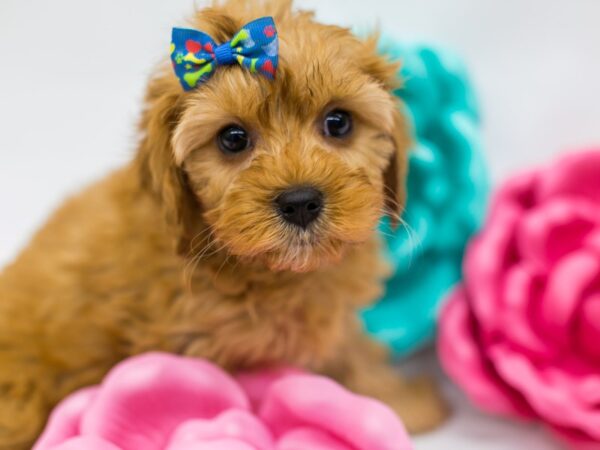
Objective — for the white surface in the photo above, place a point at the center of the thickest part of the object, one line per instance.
(72, 74)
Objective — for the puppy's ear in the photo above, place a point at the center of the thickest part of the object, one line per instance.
(386, 73)
(395, 174)
(155, 162)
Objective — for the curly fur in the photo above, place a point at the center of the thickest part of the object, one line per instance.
(181, 250)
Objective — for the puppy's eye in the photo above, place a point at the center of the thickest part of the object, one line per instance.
(233, 139)
(338, 124)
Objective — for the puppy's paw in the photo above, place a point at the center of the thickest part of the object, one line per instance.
(420, 405)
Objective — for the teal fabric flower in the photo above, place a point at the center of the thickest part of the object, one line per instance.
(447, 195)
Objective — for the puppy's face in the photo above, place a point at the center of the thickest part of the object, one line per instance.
(292, 172)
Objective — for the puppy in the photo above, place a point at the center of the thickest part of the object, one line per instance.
(243, 231)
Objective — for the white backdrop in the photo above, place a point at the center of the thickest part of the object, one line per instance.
(72, 74)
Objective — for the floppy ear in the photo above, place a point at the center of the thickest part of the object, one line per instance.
(155, 162)
(158, 171)
(386, 73)
(395, 174)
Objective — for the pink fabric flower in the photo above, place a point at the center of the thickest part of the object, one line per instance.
(522, 335)
(166, 402)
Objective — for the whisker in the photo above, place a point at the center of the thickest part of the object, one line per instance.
(411, 234)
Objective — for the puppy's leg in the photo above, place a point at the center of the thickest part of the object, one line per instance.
(363, 367)
(23, 411)
(24, 381)
(31, 384)
(38, 369)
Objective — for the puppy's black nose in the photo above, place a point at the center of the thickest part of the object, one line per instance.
(300, 206)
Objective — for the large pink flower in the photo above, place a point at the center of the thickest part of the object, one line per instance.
(522, 335)
(166, 402)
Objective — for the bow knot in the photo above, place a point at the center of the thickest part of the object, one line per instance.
(224, 55)
(195, 55)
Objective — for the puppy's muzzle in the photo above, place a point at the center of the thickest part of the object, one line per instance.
(300, 206)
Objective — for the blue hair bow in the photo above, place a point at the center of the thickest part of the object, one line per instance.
(195, 54)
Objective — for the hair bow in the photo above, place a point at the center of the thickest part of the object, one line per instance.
(195, 54)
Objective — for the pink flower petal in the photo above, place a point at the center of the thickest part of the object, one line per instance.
(301, 401)
(220, 444)
(489, 256)
(522, 291)
(565, 289)
(461, 356)
(85, 443)
(520, 190)
(521, 337)
(587, 388)
(554, 229)
(554, 404)
(167, 402)
(574, 175)
(592, 242)
(145, 398)
(588, 329)
(310, 439)
(256, 384)
(234, 424)
(495, 249)
(65, 420)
